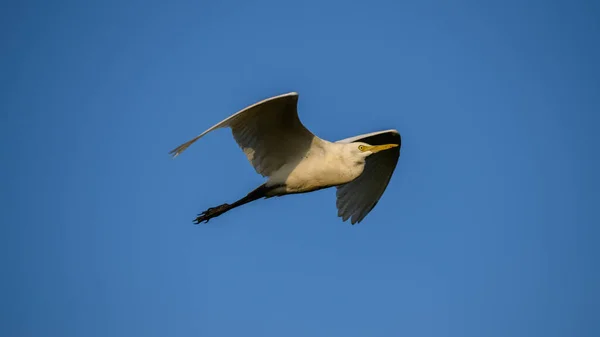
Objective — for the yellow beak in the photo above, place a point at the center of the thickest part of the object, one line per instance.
(377, 148)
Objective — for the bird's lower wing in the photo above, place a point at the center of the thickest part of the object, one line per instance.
(357, 198)
(269, 132)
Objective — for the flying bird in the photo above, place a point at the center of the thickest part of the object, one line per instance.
(294, 160)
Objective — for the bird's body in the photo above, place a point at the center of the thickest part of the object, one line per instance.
(327, 164)
(296, 161)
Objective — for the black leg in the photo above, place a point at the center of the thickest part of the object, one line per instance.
(214, 212)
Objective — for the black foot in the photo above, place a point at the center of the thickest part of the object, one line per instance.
(211, 213)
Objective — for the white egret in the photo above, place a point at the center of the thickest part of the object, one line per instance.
(294, 160)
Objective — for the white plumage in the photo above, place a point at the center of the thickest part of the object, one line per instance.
(294, 160)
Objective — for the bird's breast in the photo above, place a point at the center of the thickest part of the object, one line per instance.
(316, 173)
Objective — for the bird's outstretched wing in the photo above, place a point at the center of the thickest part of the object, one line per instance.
(269, 132)
(357, 198)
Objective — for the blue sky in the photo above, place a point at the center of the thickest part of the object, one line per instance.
(489, 226)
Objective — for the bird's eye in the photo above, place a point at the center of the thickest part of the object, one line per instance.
(361, 147)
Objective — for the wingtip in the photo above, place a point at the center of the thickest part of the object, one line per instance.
(177, 151)
(289, 94)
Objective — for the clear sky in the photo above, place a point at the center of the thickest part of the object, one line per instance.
(489, 226)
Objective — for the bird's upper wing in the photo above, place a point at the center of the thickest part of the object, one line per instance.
(269, 132)
(357, 198)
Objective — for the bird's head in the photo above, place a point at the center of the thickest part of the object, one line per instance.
(364, 150)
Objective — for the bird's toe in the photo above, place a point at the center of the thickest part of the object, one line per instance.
(211, 213)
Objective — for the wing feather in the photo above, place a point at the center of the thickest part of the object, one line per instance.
(269, 132)
(356, 199)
